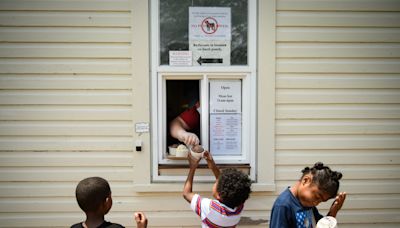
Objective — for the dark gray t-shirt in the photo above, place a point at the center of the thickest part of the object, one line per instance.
(105, 224)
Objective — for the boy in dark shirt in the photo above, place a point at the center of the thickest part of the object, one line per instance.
(94, 198)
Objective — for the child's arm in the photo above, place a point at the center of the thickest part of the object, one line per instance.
(187, 188)
(141, 220)
(337, 204)
(211, 164)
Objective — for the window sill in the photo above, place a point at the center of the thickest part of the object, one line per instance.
(197, 187)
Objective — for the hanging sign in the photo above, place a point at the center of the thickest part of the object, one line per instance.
(210, 35)
(210, 23)
(180, 58)
(225, 117)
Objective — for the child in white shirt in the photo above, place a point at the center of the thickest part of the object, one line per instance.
(231, 189)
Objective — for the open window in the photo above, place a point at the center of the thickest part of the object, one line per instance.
(204, 60)
(182, 96)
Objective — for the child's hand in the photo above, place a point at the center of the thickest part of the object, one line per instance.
(337, 204)
(141, 220)
(193, 162)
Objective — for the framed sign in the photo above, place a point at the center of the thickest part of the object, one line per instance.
(210, 35)
(226, 117)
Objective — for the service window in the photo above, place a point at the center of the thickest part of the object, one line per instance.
(203, 71)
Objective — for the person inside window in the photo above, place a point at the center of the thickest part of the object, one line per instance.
(186, 126)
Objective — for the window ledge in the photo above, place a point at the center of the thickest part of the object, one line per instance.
(200, 187)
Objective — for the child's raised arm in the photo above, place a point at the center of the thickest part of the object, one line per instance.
(211, 164)
(187, 188)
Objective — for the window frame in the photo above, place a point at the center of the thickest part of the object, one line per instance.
(248, 137)
(246, 126)
(143, 74)
(160, 73)
(251, 44)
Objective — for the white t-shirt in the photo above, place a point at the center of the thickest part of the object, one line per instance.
(215, 214)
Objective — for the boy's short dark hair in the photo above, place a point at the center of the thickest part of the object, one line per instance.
(233, 187)
(91, 193)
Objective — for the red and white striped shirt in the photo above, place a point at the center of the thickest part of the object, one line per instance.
(214, 213)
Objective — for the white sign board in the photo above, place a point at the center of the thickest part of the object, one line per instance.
(210, 35)
(210, 23)
(142, 127)
(180, 58)
(225, 117)
(210, 52)
(225, 134)
(225, 96)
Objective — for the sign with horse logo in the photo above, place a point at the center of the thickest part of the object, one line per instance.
(210, 35)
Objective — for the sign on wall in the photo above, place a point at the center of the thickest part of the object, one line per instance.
(180, 58)
(210, 35)
(225, 117)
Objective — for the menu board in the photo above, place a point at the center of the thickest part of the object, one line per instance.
(226, 117)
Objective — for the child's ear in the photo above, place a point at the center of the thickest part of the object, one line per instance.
(107, 204)
(217, 197)
(307, 179)
(109, 199)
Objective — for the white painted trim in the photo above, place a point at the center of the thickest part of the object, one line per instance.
(197, 187)
(252, 36)
(154, 40)
(266, 96)
(248, 126)
(209, 69)
(249, 96)
(204, 94)
(141, 84)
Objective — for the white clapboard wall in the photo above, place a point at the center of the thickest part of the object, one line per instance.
(338, 100)
(66, 109)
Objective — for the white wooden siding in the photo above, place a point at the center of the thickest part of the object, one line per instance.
(65, 108)
(337, 100)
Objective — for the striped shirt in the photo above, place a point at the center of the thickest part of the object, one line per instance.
(215, 214)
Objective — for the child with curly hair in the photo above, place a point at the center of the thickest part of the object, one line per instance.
(296, 206)
(231, 189)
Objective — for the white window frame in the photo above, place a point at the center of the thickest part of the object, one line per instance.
(248, 123)
(161, 73)
(204, 79)
(143, 95)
